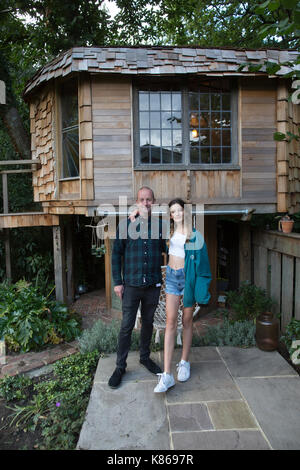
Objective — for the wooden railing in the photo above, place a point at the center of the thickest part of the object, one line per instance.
(276, 265)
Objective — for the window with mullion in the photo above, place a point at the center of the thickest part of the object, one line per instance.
(210, 127)
(69, 129)
(160, 127)
(194, 126)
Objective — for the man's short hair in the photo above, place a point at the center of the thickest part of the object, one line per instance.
(147, 187)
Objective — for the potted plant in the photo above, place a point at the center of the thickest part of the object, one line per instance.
(285, 224)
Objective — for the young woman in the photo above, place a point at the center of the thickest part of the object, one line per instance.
(188, 274)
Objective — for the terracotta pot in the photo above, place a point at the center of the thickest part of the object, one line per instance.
(286, 226)
(267, 332)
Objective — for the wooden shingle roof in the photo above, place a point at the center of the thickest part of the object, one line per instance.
(156, 60)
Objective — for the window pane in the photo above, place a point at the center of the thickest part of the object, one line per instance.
(166, 138)
(194, 101)
(216, 155)
(226, 138)
(166, 101)
(176, 101)
(144, 138)
(204, 138)
(215, 101)
(145, 154)
(205, 155)
(143, 101)
(204, 101)
(155, 120)
(226, 101)
(216, 137)
(155, 138)
(177, 155)
(226, 120)
(166, 155)
(176, 120)
(155, 101)
(144, 120)
(215, 120)
(194, 120)
(226, 155)
(166, 120)
(194, 155)
(177, 138)
(70, 151)
(69, 104)
(155, 154)
(204, 120)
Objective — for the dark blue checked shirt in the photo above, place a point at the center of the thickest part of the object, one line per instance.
(139, 257)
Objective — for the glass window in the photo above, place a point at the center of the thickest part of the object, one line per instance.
(160, 127)
(69, 129)
(206, 124)
(210, 127)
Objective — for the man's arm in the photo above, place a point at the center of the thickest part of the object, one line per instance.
(117, 255)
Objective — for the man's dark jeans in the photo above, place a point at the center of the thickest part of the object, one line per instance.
(149, 297)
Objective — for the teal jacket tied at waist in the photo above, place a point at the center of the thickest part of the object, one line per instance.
(197, 271)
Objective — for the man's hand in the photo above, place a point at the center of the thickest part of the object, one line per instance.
(119, 291)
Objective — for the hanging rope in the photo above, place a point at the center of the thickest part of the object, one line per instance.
(98, 235)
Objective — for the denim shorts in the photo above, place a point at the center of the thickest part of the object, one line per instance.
(174, 281)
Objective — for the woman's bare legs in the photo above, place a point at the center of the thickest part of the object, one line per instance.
(187, 335)
(172, 306)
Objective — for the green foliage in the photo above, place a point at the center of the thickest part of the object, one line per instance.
(248, 302)
(229, 333)
(14, 388)
(29, 320)
(59, 403)
(104, 338)
(292, 333)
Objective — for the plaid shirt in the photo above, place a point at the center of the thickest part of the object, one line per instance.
(141, 253)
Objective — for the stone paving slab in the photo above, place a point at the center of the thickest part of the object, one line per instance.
(235, 399)
(252, 362)
(209, 380)
(220, 440)
(275, 401)
(125, 419)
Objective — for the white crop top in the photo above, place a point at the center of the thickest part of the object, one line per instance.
(177, 245)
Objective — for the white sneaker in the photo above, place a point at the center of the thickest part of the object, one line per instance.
(183, 369)
(165, 382)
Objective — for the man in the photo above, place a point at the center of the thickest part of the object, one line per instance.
(142, 256)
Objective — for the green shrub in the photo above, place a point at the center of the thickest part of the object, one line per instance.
(59, 404)
(29, 320)
(229, 333)
(292, 333)
(248, 302)
(14, 388)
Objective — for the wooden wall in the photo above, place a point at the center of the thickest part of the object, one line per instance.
(288, 153)
(112, 139)
(42, 144)
(258, 124)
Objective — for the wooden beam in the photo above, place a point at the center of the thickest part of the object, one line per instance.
(28, 220)
(210, 236)
(59, 264)
(5, 193)
(70, 262)
(7, 254)
(19, 162)
(244, 253)
(108, 273)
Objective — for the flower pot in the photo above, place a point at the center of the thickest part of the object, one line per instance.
(286, 226)
(267, 332)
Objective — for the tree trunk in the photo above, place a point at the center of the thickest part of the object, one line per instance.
(15, 128)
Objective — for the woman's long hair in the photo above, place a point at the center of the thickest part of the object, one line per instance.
(181, 203)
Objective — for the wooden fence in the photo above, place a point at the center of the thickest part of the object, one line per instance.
(276, 268)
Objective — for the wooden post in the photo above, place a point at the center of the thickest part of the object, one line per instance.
(6, 230)
(107, 273)
(59, 263)
(210, 230)
(70, 262)
(244, 253)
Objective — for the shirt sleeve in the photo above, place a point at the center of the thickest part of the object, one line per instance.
(117, 255)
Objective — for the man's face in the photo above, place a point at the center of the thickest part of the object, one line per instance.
(144, 202)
